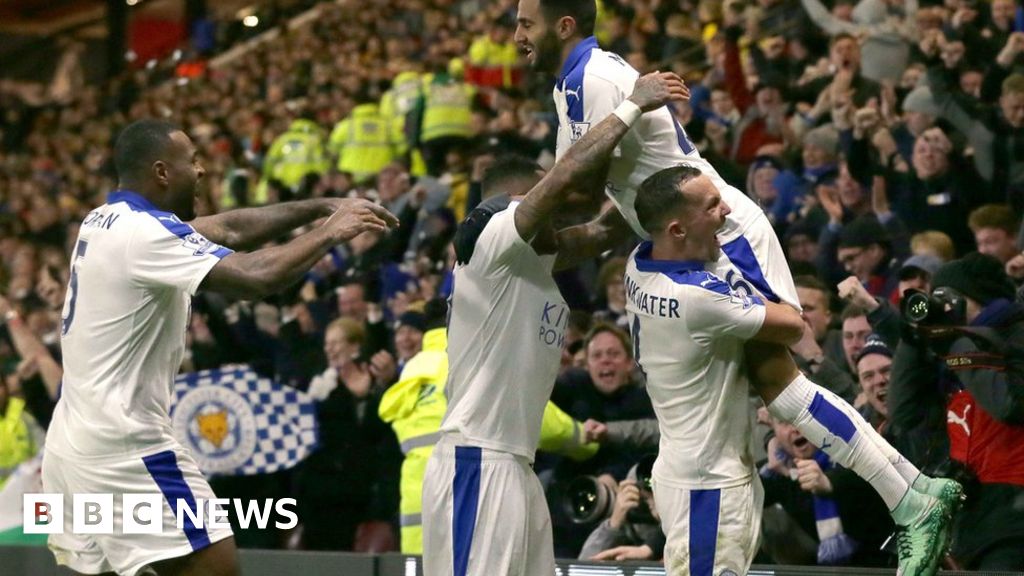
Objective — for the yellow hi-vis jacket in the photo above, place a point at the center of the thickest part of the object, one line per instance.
(447, 109)
(415, 406)
(297, 152)
(16, 440)
(362, 143)
(397, 103)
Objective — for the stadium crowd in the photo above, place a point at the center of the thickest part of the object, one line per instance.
(883, 138)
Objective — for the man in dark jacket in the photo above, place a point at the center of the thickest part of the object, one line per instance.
(973, 381)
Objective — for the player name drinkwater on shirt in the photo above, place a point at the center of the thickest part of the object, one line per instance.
(144, 513)
(653, 305)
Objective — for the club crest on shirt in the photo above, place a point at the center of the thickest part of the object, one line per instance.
(577, 130)
(199, 244)
(218, 426)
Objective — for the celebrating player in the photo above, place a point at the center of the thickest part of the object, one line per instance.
(690, 330)
(557, 36)
(483, 508)
(136, 265)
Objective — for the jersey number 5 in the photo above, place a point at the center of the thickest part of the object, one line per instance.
(73, 287)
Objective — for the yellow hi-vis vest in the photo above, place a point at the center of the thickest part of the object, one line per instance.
(16, 442)
(297, 152)
(362, 143)
(397, 103)
(415, 406)
(447, 110)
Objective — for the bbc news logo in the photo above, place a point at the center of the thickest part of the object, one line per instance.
(144, 513)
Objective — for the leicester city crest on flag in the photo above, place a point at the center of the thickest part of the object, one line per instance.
(238, 423)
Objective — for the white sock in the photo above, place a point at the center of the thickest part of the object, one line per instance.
(905, 467)
(836, 428)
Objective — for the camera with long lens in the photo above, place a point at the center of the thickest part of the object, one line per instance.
(943, 307)
(588, 500)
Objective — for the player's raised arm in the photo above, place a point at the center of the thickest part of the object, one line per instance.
(247, 228)
(255, 274)
(650, 92)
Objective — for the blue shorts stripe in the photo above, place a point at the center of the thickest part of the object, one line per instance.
(467, 499)
(704, 506)
(832, 418)
(163, 467)
(743, 258)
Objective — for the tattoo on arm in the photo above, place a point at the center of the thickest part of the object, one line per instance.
(582, 160)
(246, 228)
(579, 243)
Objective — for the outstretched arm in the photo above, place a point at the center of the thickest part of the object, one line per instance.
(248, 228)
(586, 156)
(253, 275)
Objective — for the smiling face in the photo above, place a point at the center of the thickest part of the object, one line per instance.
(996, 242)
(180, 172)
(537, 38)
(408, 341)
(338, 348)
(873, 371)
(608, 362)
(702, 217)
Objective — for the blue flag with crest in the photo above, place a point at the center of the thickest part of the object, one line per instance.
(238, 423)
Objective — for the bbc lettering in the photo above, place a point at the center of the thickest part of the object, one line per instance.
(144, 513)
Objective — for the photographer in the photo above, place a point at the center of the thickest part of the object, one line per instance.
(962, 362)
(631, 531)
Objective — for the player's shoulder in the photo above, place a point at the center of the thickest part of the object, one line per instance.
(609, 67)
(671, 275)
(702, 281)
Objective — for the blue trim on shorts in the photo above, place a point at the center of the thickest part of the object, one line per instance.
(832, 418)
(742, 256)
(704, 506)
(163, 467)
(466, 493)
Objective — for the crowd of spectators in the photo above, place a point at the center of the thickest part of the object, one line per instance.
(883, 138)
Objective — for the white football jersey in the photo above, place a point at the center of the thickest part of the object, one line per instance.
(591, 85)
(505, 336)
(133, 273)
(688, 331)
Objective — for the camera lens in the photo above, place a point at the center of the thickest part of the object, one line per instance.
(644, 468)
(588, 500)
(917, 307)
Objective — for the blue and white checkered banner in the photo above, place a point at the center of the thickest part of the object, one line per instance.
(237, 423)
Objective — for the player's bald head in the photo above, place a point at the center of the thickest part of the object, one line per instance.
(660, 197)
(140, 145)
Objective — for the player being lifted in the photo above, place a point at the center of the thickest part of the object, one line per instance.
(557, 37)
(483, 508)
